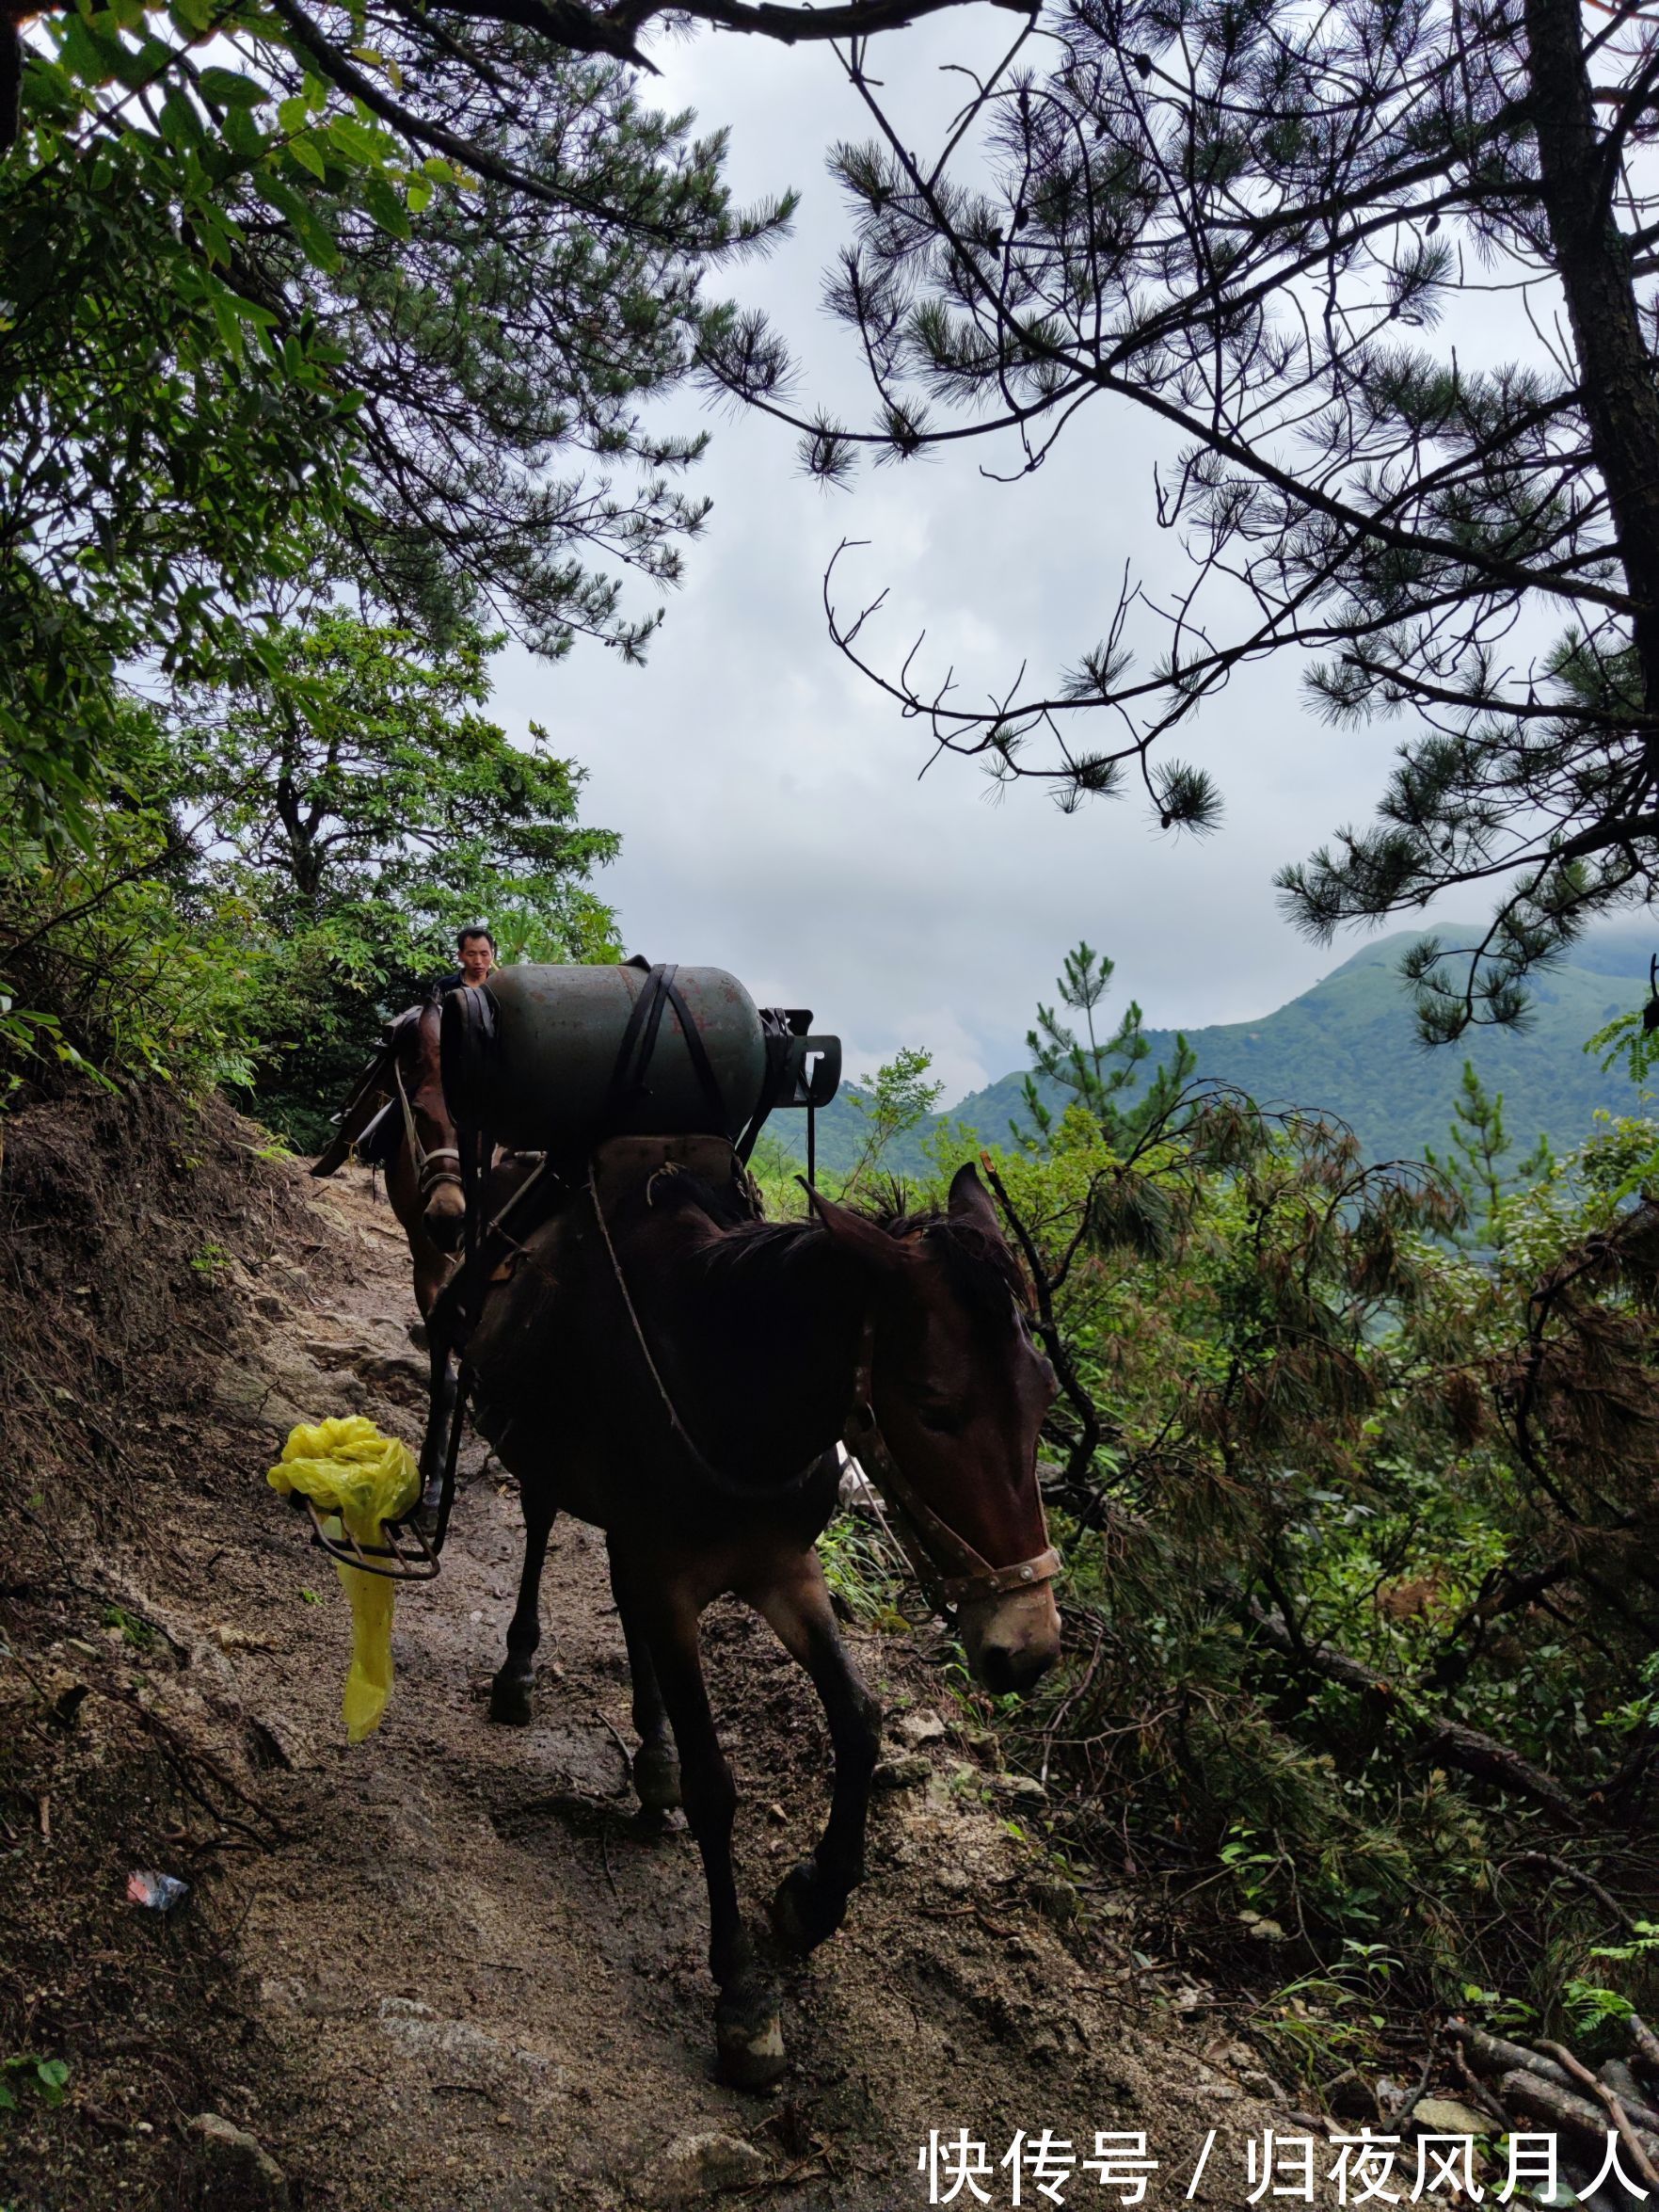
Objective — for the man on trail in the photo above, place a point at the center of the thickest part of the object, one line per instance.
(476, 950)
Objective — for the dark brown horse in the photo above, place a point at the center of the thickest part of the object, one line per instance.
(667, 1368)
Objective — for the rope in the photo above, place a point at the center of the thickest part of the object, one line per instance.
(727, 1485)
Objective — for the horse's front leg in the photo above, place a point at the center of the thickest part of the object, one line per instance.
(441, 1406)
(509, 1693)
(656, 1764)
(431, 1272)
(811, 1900)
(748, 2034)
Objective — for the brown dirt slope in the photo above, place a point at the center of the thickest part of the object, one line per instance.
(444, 1971)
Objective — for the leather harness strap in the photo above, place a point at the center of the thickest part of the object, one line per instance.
(428, 1176)
(645, 1019)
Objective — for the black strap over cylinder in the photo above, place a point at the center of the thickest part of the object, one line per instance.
(639, 1042)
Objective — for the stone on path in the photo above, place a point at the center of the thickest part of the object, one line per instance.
(234, 2172)
(699, 2166)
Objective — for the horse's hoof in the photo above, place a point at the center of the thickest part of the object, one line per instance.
(656, 1778)
(509, 1702)
(749, 2040)
(802, 1915)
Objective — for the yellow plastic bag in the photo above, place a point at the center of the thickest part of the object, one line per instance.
(364, 1479)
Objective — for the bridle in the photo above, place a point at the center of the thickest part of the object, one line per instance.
(928, 1541)
(429, 1174)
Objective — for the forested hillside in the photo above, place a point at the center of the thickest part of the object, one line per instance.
(1349, 1048)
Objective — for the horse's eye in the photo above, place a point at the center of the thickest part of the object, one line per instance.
(938, 1414)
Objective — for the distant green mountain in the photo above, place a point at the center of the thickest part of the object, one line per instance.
(1348, 1047)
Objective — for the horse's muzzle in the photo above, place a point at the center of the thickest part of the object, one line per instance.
(444, 1218)
(1011, 1640)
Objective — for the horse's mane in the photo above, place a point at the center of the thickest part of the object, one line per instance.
(982, 1269)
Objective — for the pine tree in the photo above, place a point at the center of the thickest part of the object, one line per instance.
(1475, 1163)
(260, 344)
(1245, 222)
(1094, 1072)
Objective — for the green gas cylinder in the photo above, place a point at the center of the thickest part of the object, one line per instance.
(536, 1055)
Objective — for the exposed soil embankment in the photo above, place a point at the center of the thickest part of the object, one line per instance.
(445, 1969)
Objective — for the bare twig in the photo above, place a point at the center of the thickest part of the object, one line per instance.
(622, 1747)
(1587, 1882)
(1479, 2093)
(1614, 2109)
(184, 1756)
(1424, 2079)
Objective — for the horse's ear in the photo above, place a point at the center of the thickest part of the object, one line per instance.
(857, 1235)
(971, 1203)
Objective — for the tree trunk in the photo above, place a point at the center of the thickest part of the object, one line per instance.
(1615, 375)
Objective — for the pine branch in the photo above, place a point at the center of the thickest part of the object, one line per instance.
(1434, 1737)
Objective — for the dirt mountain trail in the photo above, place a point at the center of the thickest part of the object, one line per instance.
(465, 1979)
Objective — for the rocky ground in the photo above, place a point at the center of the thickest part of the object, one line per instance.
(445, 1970)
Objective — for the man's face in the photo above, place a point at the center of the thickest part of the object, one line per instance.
(477, 959)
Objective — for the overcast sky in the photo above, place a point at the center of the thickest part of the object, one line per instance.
(768, 798)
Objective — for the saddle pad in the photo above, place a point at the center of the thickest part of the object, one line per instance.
(622, 1163)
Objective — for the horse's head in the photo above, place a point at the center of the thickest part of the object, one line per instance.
(435, 1154)
(959, 1391)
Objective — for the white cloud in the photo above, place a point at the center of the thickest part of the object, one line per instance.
(769, 799)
